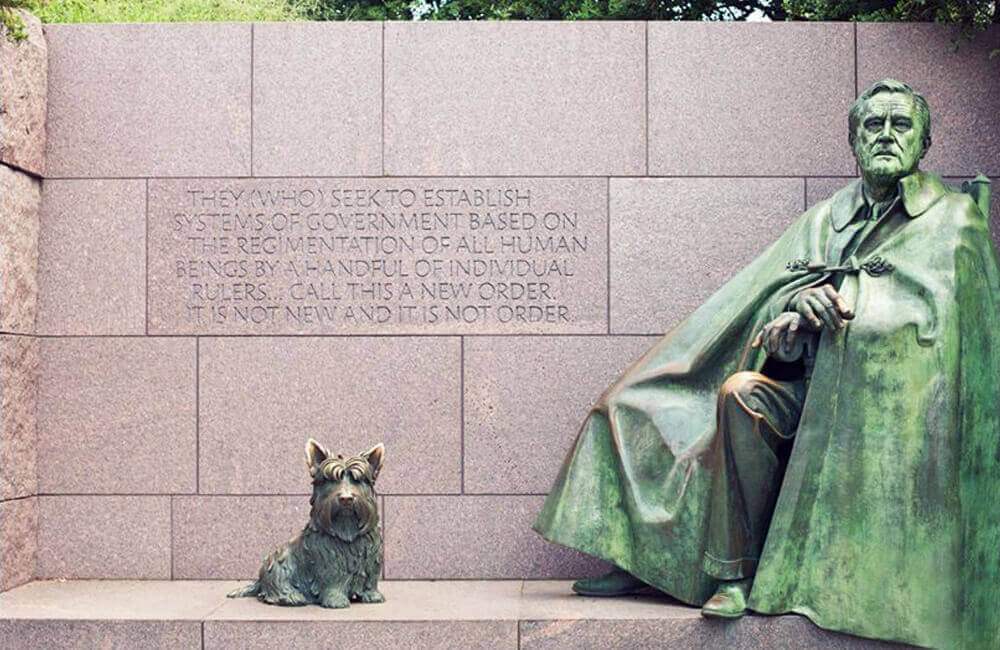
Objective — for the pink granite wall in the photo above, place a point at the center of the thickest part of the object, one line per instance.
(22, 163)
(174, 398)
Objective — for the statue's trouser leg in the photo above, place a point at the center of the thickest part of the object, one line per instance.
(756, 417)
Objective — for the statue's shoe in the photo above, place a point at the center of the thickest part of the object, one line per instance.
(616, 582)
(729, 601)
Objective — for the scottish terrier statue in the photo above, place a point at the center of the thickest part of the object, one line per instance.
(337, 557)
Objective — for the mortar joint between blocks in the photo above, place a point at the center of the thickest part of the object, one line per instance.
(461, 414)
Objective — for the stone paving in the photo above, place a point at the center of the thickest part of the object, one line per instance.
(416, 614)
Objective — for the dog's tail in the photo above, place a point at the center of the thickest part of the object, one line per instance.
(251, 589)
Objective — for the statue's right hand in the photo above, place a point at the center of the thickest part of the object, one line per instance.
(822, 307)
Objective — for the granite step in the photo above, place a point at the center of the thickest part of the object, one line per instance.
(464, 614)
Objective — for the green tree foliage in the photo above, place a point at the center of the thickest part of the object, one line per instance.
(978, 12)
(973, 13)
(603, 9)
(156, 11)
(354, 9)
(13, 26)
(536, 9)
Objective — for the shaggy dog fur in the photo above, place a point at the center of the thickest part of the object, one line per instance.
(337, 557)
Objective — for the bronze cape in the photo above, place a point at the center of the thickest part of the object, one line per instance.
(887, 523)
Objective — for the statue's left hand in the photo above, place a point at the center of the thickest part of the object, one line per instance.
(778, 337)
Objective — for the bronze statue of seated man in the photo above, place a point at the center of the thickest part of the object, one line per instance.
(822, 436)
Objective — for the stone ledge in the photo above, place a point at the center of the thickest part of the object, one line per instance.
(421, 614)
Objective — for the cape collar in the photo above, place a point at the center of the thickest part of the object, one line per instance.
(919, 191)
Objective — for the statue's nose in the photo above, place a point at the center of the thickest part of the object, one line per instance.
(345, 498)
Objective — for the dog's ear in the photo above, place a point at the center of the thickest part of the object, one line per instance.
(315, 455)
(375, 457)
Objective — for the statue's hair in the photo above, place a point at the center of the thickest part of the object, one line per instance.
(889, 86)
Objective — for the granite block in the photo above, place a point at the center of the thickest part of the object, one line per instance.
(18, 423)
(674, 241)
(748, 633)
(960, 86)
(20, 196)
(401, 635)
(480, 537)
(262, 398)
(94, 600)
(544, 600)
(420, 614)
(18, 541)
(441, 601)
(378, 256)
(92, 257)
(525, 399)
(317, 93)
(116, 415)
(104, 536)
(23, 97)
(818, 189)
(515, 98)
(163, 99)
(750, 99)
(221, 537)
(27, 634)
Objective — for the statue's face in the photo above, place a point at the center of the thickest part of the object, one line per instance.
(888, 143)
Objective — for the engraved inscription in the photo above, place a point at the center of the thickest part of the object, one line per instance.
(369, 255)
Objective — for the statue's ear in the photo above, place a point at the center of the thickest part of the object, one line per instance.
(315, 455)
(375, 457)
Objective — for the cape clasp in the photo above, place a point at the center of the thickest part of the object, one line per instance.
(874, 266)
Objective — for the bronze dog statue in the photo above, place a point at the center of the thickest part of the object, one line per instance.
(337, 557)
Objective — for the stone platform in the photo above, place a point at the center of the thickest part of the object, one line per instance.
(418, 614)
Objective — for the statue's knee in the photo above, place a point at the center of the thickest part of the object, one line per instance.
(739, 386)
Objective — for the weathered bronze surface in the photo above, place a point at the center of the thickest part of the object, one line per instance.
(337, 557)
(848, 468)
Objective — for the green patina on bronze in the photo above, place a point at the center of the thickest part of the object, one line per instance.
(887, 520)
(337, 558)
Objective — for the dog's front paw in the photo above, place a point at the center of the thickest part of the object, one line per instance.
(335, 601)
(371, 596)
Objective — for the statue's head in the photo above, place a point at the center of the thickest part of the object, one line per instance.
(889, 128)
